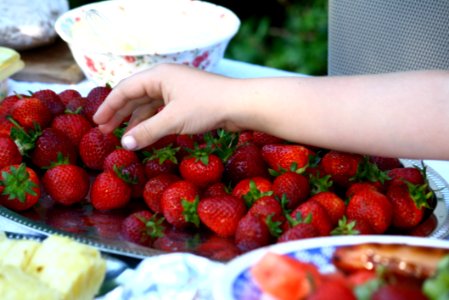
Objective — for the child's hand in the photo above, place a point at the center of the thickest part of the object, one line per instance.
(195, 102)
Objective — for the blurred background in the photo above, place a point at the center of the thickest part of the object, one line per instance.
(289, 35)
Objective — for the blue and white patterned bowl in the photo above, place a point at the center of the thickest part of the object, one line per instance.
(236, 283)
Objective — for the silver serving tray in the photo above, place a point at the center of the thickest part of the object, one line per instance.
(42, 221)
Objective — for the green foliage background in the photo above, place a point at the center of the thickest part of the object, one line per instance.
(284, 34)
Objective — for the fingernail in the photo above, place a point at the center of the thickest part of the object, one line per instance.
(129, 143)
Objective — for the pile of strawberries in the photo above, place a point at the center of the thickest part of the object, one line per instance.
(248, 188)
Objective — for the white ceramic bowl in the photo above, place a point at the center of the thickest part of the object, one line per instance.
(138, 34)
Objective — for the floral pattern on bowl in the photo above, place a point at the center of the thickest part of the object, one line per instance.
(110, 67)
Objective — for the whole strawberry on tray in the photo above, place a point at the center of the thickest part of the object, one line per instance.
(217, 194)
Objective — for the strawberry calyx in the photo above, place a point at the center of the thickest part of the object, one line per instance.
(125, 176)
(274, 227)
(293, 168)
(254, 194)
(298, 219)
(420, 194)
(223, 144)
(190, 211)
(25, 140)
(153, 225)
(319, 183)
(369, 171)
(162, 154)
(60, 160)
(345, 228)
(17, 183)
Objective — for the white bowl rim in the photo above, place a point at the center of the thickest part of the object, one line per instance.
(175, 50)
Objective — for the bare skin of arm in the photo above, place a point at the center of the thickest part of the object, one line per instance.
(395, 115)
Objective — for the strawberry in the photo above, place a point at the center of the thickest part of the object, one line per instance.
(175, 240)
(372, 206)
(66, 183)
(95, 98)
(221, 214)
(74, 126)
(261, 139)
(218, 249)
(69, 94)
(334, 205)
(318, 214)
(252, 232)
(347, 226)
(29, 112)
(179, 204)
(106, 224)
(294, 186)
(136, 174)
(154, 188)
(119, 158)
(19, 187)
(5, 127)
(411, 174)
(386, 163)
(7, 104)
(51, 100)
(341, 166)
(398, 291)
(185, 143)
(245, 162)
(142, 227)
(202, 168)
(251, 189)
(169, 140)
(9, 153)
(76, 105)
(109, 191)
(280, 156)
(215, 189)
(95, 146)
(245, 137)
(161, 161)
(49, 145)
(299, 231)
(409, 202)
(269, 209)
(360, 186)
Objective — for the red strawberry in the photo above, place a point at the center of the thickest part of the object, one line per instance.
(95, 98)
(318, 214)
(245, 162)
(169, 140)
(77, 105)
(411, 174)
(30, 111)
(154, 188)
(136, 174)
(51, 100)
(251, 189)
(218, 248)
(299, 231)
(109, 191)
(215, 189)
(68, 94)
(360, 186)
(334, 205)
(294, 186)
(66, 183)
(9, 153)
(261, 138)
(398, 291)
(347, 226)
(202, 169)
(252, 232)
(372, 206)
(221, 214)
(95, 146)
(119, 158)
(161, 161)
(7, 104)
(386, 163)
(179, 203)
(19, 188)
(409, 202)
(5, 127)
(341, 166)
(74, 126)
(269, 209)
(142, 227)
(49, 145)
(279, 156)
